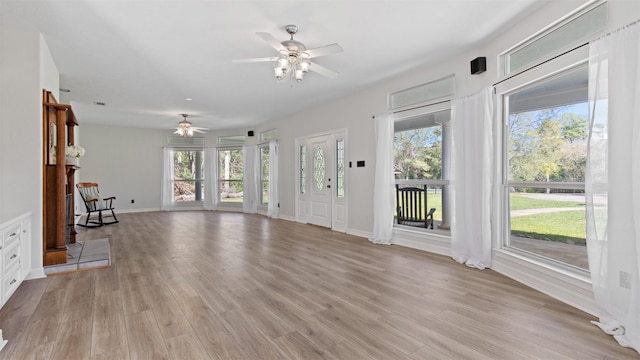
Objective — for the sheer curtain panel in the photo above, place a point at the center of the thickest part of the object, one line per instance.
(210, 178)
(471, 178)
(383, 180)
(272, 206)
(167, 202)
(250, 179)
(612, 178)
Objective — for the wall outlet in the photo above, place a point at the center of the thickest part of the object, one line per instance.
(625, 280)
(132, 201)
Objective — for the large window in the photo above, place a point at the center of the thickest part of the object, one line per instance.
(264, 174)
(545, 150)
(231, 171)
(188, 175)
(417, 154)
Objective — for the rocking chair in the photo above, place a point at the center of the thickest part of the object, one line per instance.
(411, 207)
(94, 203)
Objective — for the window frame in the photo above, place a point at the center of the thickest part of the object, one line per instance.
(202, 178)
(262, 181)
(446, 163)
(573, 59)
(219, 200)
(504, 58)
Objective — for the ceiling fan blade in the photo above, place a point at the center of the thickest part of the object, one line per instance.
(198, 130)
(271, 40)
(325, 50)
(323, 70)
(239, 61)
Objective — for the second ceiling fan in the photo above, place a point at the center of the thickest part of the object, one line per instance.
(186, 129)
(295, 59)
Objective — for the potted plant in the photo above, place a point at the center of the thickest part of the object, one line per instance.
(73, 153)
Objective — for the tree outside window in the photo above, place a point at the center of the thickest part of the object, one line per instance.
(264, 176)
(231, 172)
(546, 153)
(417, 155)
(188, 174)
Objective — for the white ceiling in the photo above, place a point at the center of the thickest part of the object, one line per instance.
(143, 58)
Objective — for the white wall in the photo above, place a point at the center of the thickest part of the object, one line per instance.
(125, 162)
(26, 67)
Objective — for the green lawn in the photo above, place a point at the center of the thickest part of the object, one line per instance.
(522, 201)
(562, 226)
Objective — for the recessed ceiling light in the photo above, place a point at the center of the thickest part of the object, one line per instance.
(188, 99)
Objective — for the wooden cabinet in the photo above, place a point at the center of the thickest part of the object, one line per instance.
(15, 256)
(59, 181)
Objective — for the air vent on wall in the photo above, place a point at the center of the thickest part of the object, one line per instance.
(179, 141)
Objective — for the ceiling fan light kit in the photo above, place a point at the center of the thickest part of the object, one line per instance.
(294, 60)
(185, 128)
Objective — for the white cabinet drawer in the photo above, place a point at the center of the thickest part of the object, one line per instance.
(11, 235)
(11, 257)
(10, 283)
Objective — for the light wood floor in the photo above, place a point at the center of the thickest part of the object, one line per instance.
(209, 285)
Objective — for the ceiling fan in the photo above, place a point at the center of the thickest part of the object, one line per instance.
(294, 58)
(185, 129)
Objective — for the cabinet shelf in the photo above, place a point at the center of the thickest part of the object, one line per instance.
(59, 122)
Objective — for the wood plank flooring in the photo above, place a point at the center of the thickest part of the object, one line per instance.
(215, 285)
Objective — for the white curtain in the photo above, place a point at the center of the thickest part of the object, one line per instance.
(211, 182)
(251, 178)
(166, 199)
(471, 178)
(383, 182)
(612, 183)
(272, 208)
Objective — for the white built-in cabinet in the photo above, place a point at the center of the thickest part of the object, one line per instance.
(15, 256)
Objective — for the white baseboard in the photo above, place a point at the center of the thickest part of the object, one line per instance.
(36, 274)
(360, 233)
(287, 217)
(571, 289)
(125, 211)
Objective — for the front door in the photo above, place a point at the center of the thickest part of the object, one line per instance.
(319, 175)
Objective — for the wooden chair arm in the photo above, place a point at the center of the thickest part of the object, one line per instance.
(110, 198)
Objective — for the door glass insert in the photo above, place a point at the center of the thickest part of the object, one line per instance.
(340, 168)
(318, 168)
